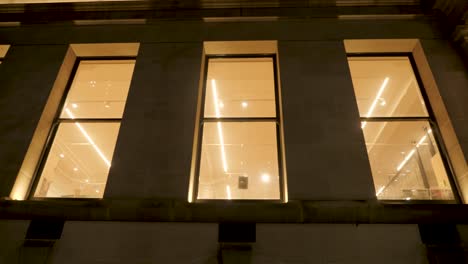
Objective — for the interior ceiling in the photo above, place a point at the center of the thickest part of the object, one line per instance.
(99, 89)
(400, 95)
(248, 82)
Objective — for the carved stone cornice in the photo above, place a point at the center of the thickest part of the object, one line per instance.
(39, 11)
(460, 34)
(456, 13)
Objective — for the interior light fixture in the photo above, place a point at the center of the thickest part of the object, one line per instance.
(374, 103)
(228, 192)
(405, 160)
(75, 169)
(423, 138)
(61, 155)
(90, 140)
(220, 129)
(265, 177)
(244, 104)
(74, 105)
(382, 102)
(380, 191)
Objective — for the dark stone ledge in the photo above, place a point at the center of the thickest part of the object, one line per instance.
(355, 212)
(157, 10)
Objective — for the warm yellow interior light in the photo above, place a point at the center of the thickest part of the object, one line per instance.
(90, 140)
(220, 129)
(408, 157)
(377, 98)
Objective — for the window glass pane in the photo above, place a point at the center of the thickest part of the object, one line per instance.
(3, 51)
(239, 160)
(405, 161)
(79, 160)
(99, 89)
(386, 87)
(240, 87)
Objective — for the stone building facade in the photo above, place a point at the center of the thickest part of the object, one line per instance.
(327, 209)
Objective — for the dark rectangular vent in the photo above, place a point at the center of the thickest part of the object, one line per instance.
(236, 233)
(243, 182)
(45, 229)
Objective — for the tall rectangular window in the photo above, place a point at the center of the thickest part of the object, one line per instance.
(79, 153)
(399, 130)
(238, 155)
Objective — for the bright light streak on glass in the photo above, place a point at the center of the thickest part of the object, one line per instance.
(413, 151)
(380, 190)
(406, 159)
(228, 192)
(90, 140)
(220, 129)
(374, 103)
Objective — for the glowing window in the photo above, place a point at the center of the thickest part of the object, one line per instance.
(77, 160)
(400, 134)
(239, 150)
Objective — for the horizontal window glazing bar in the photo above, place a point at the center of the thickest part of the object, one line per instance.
(390, 119)
(89, 120)
(242, 119)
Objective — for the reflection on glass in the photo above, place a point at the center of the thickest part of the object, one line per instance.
(405, 161)
(240, 87)
(79, 160)
(386, 87)
(99, 89)
(239, 160)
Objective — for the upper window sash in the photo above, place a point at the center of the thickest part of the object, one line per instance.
(240, 88)
(386, 87)
(99, 90)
